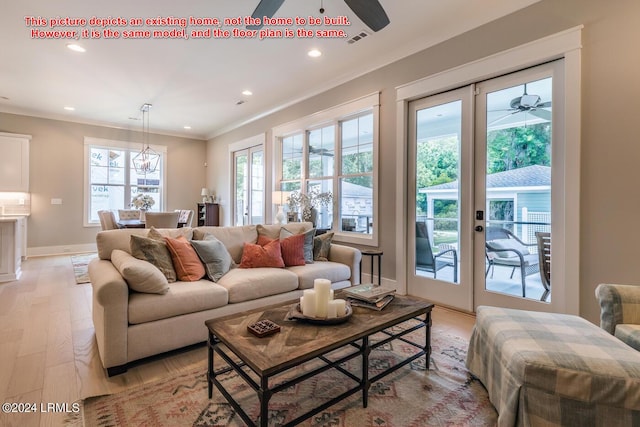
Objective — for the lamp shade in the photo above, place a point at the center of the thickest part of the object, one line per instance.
(279, 197)
(204, 192)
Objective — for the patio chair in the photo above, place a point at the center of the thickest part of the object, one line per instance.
(425, 258)
(544, 258)
(505, 249)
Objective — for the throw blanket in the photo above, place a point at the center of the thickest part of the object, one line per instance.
(554, 370)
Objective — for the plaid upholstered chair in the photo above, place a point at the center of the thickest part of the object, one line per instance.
(620, 312)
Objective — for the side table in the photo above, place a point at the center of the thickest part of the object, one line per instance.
(373, 253)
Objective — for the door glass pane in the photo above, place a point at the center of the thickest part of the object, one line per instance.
(518, 186)
(438, 136)
(257, 187)
(241, 190)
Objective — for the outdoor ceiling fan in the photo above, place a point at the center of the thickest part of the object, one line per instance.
(527, 104)
(370, 12)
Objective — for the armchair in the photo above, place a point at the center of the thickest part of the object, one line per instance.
(620, 312)
(505, 249)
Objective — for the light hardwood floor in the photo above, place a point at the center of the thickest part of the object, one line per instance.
(48, 352)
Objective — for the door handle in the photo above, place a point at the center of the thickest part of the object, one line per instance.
(479, 228)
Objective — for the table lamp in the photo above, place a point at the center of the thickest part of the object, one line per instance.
(205, 195)
(277, 198)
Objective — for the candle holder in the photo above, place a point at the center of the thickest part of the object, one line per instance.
(296, 314)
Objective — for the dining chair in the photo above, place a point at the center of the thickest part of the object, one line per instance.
(107, 220)
(128, 214)
(185, 217)
(161, 219)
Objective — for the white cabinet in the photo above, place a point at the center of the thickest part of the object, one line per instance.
(14, 162)
(11, 247)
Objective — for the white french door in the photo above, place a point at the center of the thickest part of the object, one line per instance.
(249, 186)
(482, 160)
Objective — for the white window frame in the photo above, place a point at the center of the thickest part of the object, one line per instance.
(335, 115)
(133, 148)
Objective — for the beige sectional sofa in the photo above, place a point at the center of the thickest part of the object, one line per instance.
(131, 325)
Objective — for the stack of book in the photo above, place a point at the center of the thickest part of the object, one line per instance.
(369, 296)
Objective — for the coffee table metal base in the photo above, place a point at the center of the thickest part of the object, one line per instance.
(362, 347)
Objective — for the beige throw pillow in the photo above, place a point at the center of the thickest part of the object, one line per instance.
(141, 276)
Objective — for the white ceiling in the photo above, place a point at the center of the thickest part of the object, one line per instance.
(199, 82)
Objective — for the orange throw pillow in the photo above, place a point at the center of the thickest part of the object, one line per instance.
(292, 249)
(186, 262)
(254, 256)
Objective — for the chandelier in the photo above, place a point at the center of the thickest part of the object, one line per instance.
(147, 160)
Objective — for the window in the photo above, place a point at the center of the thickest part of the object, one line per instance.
(335, 151)
(111, 181)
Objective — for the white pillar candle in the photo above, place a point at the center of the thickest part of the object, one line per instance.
(330, 294)
(332, 311)
(322, 288)
(309, 299)
(341, 307)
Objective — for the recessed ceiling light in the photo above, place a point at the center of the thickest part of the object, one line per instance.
(187, 127)
(314, 53)
(247, 92)
(76, 47)
(70, 108)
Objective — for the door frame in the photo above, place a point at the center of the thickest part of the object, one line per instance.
(567, 45)
(248, 144)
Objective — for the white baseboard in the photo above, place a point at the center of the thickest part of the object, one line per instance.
(61, 250)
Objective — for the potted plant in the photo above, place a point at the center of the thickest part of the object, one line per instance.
(308, 203)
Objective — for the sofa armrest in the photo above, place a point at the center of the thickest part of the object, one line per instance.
(350, 257)
(618, 304)
(110, 312)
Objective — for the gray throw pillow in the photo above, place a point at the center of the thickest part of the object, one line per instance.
(155, 252)
(308, 242)
(214, 255)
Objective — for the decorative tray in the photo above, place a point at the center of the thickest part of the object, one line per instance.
(263, 328)
(296, 314)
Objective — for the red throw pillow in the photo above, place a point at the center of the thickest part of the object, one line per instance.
(254, 256)
(188, 266)
(292, 249)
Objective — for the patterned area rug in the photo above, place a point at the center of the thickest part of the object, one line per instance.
(80, 264)
(446, 395)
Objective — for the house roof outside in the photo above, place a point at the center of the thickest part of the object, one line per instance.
(528, 176)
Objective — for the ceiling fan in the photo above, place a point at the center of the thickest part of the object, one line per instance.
(527, 104)
(370, 12)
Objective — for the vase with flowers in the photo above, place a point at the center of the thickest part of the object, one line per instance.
(142, 202)
(308, 203)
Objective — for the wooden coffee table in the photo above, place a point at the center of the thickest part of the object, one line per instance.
(299, 342)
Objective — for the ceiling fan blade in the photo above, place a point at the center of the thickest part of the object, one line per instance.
(265, 8)
(544, 104)
(543, 114)
(370, 12)
(499, 119)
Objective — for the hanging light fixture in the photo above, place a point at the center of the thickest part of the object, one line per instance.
(147, 160)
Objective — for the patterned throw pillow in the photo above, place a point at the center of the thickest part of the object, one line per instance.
(322, 246)
(215, 256)
(308, 242)
(188, 266)
(292, 249)
(155, 252)
(269, 255)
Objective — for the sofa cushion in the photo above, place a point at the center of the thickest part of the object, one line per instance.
(509, 244)
(185, 259)
(322, 246)
(233, 238)
(155, 252)
(141, 276)
(256, 256)
(308, 242)
(629, 334)
(182, 298)
(333, 271)
(249, 284)
(215, 256)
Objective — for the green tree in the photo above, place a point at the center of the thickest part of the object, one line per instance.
(518, 147)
